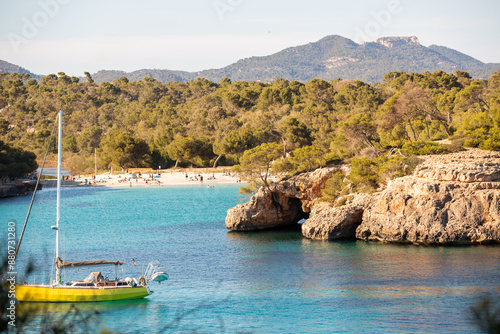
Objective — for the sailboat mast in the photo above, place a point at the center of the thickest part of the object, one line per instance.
(95, 161)
(58, 217)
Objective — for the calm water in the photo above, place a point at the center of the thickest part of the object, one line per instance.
(271, 282)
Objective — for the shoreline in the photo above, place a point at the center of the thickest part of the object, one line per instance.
(140, 180)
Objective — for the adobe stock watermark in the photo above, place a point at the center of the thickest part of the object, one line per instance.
(31, 26)
(222, 7)
(11, 278)
(381, 19)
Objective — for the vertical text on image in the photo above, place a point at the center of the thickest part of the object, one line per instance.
(11, 278)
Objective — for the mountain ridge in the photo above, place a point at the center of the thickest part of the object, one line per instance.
(329, 58)
(5, 66)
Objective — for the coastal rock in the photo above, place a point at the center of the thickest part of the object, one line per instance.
(328, 222)
(450, 199)
(472, 165)
(17, 188)
(283, 203)
(424, 212)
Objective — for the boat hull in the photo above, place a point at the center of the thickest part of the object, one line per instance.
(56, 294)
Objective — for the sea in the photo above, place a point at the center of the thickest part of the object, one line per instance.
(229, 282)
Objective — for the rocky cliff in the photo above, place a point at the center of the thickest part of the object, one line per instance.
(450, 199)
(282, 203)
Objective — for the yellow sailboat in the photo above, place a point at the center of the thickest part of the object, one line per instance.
(93, 288)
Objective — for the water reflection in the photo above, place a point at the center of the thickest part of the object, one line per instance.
(45, 315)
(272, 261)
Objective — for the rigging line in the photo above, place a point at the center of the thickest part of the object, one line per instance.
(34, 239)
(109, 224)
(33, 197)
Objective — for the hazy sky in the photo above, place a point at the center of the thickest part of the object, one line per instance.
(73, 36)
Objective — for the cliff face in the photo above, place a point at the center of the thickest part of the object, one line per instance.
(450, 199)
(281, 204)
(328, 222)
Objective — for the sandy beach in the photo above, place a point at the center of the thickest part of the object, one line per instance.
(150, 179)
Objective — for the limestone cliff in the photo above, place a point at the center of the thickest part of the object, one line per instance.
(283, 203)
(450, 199)
(327, 222)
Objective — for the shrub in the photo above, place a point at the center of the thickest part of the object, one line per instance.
(335, 187)
(368, 175)
(427, 148)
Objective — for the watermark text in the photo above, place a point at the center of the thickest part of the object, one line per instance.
(31, 26)
(222, 7)
(11, 278)
(380, 19)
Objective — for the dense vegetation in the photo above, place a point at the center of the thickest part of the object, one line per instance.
(15, 162)
(150, 124)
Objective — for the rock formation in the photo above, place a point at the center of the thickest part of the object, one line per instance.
(17, 188)
(328, 222)
(283, 203)
(450, 199)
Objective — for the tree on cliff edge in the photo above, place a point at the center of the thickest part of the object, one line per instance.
(256, 163)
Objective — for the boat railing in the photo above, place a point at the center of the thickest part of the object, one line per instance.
(153, 269)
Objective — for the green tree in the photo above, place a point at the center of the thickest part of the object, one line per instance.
(15, 162)
(294, 134)
(88, 77)
(360, 129)
(304, 159)
(90, 138)
(127, 151)
(69, 144)
(235, 143)
(188, 148)
(308, 158)
(256, 163)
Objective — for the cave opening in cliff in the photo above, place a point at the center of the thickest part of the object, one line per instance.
(300, 215)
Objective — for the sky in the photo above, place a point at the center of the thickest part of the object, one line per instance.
(75, 36)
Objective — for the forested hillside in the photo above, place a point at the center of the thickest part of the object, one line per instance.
(149, 124)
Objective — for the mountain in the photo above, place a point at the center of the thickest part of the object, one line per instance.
(467, 63)
(333, 57)
(11, 68)
(329, 58)
(159, 75)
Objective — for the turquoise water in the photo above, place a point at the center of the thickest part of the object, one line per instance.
(267, 282)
